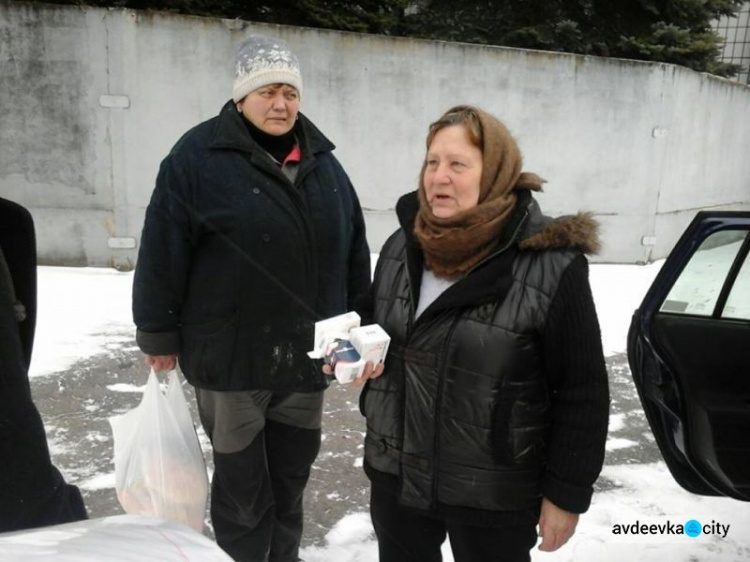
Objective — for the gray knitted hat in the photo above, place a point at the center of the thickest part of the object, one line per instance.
(262, 61)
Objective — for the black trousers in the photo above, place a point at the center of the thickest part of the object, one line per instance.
(408, 536)
(256, 494)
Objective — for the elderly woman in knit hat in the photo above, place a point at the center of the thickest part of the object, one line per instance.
(489, 416)
(253, 233)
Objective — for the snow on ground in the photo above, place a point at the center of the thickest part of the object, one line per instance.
(84, 312)
(618, 290)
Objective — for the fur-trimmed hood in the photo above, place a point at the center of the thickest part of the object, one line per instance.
(574, 232)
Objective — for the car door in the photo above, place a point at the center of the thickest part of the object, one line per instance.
(689, 353)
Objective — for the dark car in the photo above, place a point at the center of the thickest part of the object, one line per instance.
(689, 352)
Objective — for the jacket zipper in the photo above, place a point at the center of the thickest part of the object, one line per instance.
(442, 369)
(410, 288)
(438, 409)
(444, 356)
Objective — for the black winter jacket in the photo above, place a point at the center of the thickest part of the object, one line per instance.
(33, 493)
(470, 402)
(18, 244)
(236, 263)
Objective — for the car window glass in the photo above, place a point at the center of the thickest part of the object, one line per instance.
(738, 303)
(698, 286)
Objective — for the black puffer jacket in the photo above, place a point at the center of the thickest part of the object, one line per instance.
(463, 413)
(236, 263)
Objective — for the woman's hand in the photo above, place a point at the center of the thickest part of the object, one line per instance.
(161, 362)
(556, 526)
(371, 372)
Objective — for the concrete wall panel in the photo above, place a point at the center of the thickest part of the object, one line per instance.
(92, 99)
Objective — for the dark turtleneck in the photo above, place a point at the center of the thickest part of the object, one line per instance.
(278, 146)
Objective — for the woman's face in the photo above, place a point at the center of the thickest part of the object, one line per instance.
(273, 109)
(453, 172)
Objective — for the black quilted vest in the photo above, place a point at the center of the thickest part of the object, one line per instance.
(462, 411)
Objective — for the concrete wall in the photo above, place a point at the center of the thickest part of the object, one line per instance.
(91, 100)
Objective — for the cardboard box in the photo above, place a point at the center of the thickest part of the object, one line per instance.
(330, 329)
(346, 363)
(371, 342)
(347, 347)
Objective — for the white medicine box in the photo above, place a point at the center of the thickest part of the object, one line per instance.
(371, 342)
(330, 329)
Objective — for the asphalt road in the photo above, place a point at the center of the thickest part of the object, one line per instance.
(76, 404)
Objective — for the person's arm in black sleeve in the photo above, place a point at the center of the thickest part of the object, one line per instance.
(365, 306)
(34, 493)
(163, 261)
(359, 279)
(578, 385)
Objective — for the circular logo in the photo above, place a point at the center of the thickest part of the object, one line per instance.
(693, 528)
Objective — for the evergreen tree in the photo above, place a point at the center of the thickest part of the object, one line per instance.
(364, 16)
(673, 31)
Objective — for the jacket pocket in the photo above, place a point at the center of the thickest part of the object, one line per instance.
(520, 424)
(207, 353)
(502, 446)
(363, 398)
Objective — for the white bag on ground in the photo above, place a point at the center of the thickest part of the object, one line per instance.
(159, 466)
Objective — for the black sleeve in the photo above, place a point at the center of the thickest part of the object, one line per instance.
(359, 279)
(18, 240)
(365, 306)
(34, 493)
(164, 258)
(577, 379)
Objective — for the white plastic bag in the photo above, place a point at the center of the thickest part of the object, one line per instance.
(159, 466)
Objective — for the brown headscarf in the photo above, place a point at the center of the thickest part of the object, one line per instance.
(452, 246)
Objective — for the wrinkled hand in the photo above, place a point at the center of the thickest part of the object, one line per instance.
(371, 372)
(556, 526)
(161, 362)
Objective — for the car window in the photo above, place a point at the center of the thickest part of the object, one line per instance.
(738, 303)
(698, 287)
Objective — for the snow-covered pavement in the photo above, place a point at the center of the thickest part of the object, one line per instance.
(86, 368)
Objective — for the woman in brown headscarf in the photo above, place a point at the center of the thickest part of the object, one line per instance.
(490, 416)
